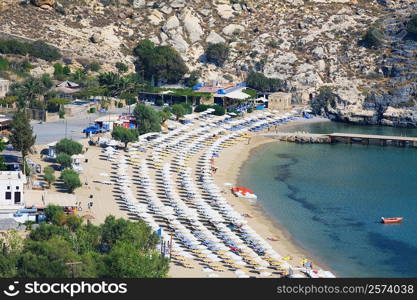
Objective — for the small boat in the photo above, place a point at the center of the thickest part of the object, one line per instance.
(391, 220)
(244, 193)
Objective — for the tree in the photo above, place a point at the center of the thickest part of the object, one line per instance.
(165, 114)
(122, 67)
(49, 176)
(159, 63)
(59, 71)
(69, 147)
(260, 82)
(124, 135)
(64, 160)
(71, 179)
(412, 25)
(217, 53)
(192, 80)
(372, 38)
(44, 51)
(124, 262)
(147, 118)
(54, 214)
(178, 110)
(66, 70)
(22, 137)
(319, 104)
(159, 102)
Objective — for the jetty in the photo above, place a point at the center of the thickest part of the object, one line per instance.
(347, 138)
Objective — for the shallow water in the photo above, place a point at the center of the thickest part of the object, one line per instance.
(331, 197)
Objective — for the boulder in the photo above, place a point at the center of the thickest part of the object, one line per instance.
(44, 2)
(96, 38)
(177, 3)
(171, 23)
(192, 26)
(178, 42)
(232, 28)
(214, 38)
(156, 17)
(225, 11)
(138, 4)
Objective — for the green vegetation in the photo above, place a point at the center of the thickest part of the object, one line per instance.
(412, 25)
(372, 39)
(159, 63)
(117, 248)
(253, 94)
(165, 114)
(260, 82)
(217, 54)
(64, 160)
(38, 49)
(178, 110)
(71, 179)
(147, 118)
(122, 67)
(124, 135)
(325, 98)
(218, 110)
(28, 91)
(159, 102)
(49, 175)
(56, 104)
(22, 137)
(192, 80)
(69, 147)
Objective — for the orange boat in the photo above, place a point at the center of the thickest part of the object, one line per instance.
(243, 192)
(391, 220)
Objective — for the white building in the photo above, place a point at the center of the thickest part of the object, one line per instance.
(11, 191)
(4, 87)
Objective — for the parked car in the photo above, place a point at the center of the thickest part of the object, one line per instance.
(94, 129)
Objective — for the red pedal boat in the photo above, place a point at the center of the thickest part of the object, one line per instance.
(391, 220)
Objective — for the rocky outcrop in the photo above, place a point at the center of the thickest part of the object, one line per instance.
(40, 3)
(308, 44)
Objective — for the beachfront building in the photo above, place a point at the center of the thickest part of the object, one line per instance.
(66, 88)
(11, 191)
(279, 101)
(4, 87)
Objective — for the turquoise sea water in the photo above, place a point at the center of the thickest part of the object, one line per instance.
(331, 197)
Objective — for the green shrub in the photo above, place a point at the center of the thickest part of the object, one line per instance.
(44, 51)
(159, 63)
(71, 179)
(64, 160)
(412, 25)
(159, 102)
(95, 66)
(260, 82)
(373, 38)
(217, 53)
(92, 110)
(4, 64)
(121, 67)
(13, 47)
(69, 147)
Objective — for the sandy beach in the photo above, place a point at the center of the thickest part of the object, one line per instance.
(98, 170)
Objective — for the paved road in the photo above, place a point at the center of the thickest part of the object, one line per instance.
(71, 128)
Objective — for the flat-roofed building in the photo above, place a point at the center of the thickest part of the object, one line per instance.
(279, 101)
(4, 87)
(11, 190)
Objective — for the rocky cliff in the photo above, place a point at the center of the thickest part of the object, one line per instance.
(309, 43)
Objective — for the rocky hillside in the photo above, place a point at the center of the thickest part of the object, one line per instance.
(309, 43)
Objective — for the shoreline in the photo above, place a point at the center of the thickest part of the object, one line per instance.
(229, 170)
